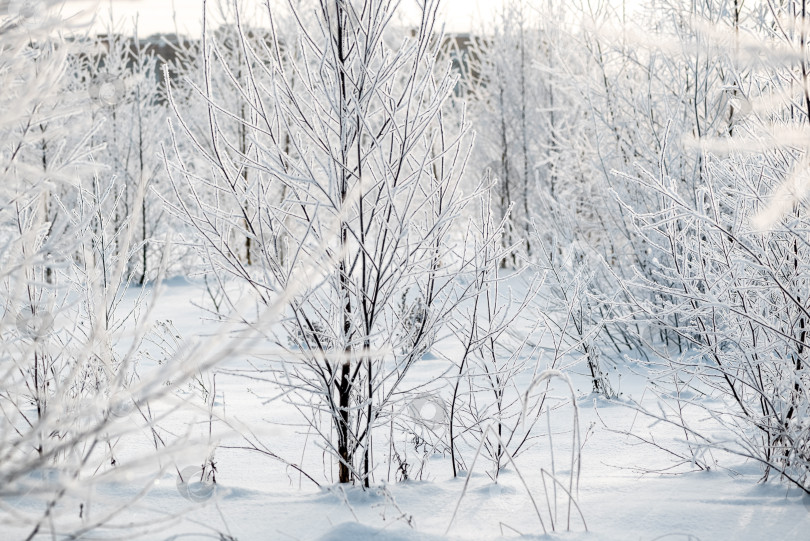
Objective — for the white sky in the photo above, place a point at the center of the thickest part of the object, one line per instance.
(157, 15)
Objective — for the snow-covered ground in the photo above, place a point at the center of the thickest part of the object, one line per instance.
(257, 497)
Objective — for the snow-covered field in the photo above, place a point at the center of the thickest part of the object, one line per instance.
(625, 490)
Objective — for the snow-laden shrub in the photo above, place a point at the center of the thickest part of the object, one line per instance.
(738, 300)
(70, 342)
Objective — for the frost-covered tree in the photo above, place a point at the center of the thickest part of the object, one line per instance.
(506, 96)
(349, 120)
(121, 77)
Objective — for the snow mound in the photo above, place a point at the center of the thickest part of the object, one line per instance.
(361, 532)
